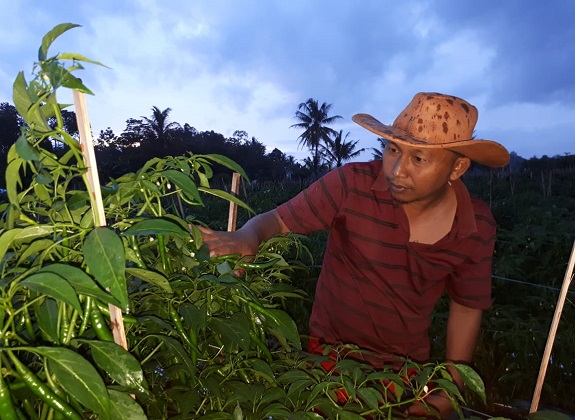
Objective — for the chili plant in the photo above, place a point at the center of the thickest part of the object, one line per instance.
(207, 337)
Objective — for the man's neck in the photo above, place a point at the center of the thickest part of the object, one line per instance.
(431, 220)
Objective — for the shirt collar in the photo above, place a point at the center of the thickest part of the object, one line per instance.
(465, 214)
(380, 183)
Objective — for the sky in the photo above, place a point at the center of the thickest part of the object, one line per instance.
(227, 65)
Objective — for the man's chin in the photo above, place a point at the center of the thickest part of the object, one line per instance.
(403, 200)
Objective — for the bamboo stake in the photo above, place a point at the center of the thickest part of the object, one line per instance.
(553, 331)
(233, 214)
(87, 148)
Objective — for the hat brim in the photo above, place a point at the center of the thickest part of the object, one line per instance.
(484, 152)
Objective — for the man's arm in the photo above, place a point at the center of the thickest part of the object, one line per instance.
(463, 326)
(246, 240)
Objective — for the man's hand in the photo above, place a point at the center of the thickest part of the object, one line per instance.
(245, 241)
(437, 403)
(225, 243)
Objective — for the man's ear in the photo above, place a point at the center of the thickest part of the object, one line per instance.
(460, 166)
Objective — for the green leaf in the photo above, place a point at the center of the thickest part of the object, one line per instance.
(347, 415)
(20, 96)
(297, 387)
(370, 396)
(151, 277)
(77, 377)
(29, 233)
(224, 268)
(177, 350)
(52, 285)
(6, 240)
(318, 389)
(472, 380)
(104, 254)
(154, 227)
(25, 149)
(47, 319)
(449, 387)
(278, 411)
(124, 407)
(185, 183)
(80, 281)
(72, 82)
(283, 327)
(122, 366)
(263, 368)
(294, 375)
(272, 395)
(234, 331)
(35, 248)
(41, 191)
(49, 38)
(349, 387)
(78, 57)
(228, 163)
(226, 196)
(240, 391)
(193, 317)
(13, 180)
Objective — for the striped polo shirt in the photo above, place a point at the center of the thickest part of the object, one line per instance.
(377, 289)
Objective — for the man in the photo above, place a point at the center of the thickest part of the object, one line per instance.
(402, 231)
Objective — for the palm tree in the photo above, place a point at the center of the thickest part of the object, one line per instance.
(377, 153)
(158, 127)
(338, 150)
(314, 164)
(314, 120)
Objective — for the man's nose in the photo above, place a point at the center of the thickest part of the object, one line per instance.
(399, 166)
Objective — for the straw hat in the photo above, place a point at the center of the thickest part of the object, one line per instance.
(434, 120)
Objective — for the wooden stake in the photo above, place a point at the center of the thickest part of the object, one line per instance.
(87, 147)
(553, 331)
(233, 215)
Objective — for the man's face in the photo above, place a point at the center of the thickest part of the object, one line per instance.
(416, 174)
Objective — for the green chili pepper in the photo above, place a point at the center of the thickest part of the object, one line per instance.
(136, 248)
(42, 390)
(105, 309)
(261, 265)
(28, 408)
(86, 317)
(7, 410)
(28, 323)
(175, 317)
(64, 323)
(99, 325)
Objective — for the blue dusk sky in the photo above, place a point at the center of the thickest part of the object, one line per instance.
(227, 65)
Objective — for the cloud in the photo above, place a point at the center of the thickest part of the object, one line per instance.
(228, 66)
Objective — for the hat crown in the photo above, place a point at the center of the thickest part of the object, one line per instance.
(434, 118)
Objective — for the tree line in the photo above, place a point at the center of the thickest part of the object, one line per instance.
(156, 135)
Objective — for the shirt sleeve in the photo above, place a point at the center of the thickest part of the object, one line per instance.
(470, 284)
(316, 207)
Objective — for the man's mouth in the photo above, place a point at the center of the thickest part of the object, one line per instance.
(397, 187)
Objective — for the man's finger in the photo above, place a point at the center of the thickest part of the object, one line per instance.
(204, 229)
